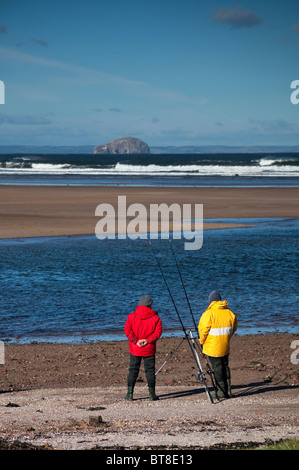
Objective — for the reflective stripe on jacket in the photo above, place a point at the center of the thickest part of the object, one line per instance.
(216, 327)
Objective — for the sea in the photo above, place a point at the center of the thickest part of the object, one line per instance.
(277, 169)
(81, 289)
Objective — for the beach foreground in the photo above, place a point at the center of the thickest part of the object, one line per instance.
(36, 211)
(68, 396)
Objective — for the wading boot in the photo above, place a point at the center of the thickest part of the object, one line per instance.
(129, 395)
(229, 389)
(152, 394)
(221, 391)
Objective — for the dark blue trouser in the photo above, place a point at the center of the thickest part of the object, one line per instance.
(149, 367)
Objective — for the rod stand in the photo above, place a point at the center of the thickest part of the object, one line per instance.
(201, 375)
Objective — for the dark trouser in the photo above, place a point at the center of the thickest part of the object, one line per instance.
(149, 367)
(221, 371)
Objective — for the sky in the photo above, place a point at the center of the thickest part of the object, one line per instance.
(169, 72)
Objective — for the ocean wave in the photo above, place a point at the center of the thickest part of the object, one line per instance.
(46, 167)
(268, 161)
(151, 165)
(265, 169)
(205, 170)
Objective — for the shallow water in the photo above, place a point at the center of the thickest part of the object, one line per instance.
(82, 289)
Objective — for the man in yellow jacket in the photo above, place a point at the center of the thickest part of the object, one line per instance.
(216, 327)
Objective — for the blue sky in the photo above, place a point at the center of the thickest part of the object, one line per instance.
(170, 72)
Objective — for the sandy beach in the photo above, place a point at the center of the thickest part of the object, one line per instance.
(57, 211)
(69, 397)
(148, 148)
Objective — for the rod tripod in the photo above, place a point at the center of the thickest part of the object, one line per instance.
(190, 335)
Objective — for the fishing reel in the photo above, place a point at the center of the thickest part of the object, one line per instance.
(201, 377)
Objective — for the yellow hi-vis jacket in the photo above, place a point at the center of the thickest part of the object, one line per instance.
(216, 327)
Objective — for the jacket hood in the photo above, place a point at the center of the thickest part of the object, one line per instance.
(219, 304)
(144, 312)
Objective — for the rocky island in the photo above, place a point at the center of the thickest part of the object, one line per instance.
(125, 145)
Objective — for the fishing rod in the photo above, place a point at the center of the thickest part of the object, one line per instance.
(191, 343)
(169, 291)
(209, 369)
(182, 282)
(167, 359)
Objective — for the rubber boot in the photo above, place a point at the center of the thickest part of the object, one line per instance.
(152, 394)
(229, 389)
(221, 390)
(129, 395)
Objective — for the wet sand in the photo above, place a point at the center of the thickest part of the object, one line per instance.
(34, 211)
(254, 358)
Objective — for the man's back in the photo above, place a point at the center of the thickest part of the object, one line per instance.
(217, 325)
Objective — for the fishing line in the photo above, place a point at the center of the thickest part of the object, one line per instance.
(191, 343)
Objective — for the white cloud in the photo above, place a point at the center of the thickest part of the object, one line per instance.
(91, 76)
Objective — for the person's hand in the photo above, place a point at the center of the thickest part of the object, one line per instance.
(141, 343)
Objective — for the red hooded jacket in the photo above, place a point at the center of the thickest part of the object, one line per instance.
(144, 323)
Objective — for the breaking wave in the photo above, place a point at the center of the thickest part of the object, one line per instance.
(152, 165)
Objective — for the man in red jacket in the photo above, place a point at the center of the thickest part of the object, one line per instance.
(143, 328)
